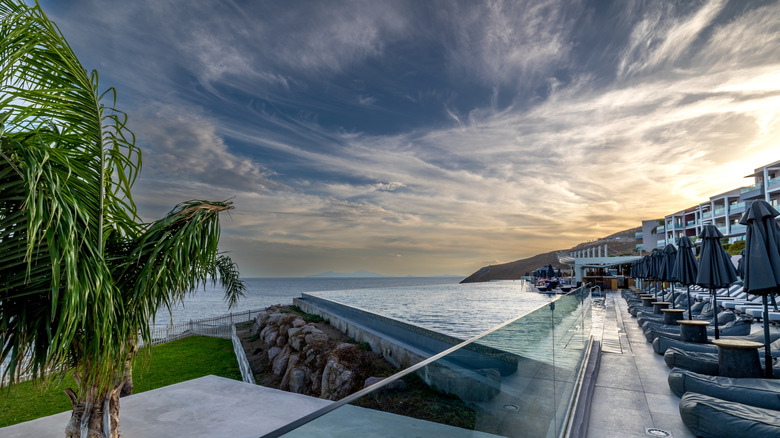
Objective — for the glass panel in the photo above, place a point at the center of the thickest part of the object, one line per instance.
(516, 380)
(738, 229)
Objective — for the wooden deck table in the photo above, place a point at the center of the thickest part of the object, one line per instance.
(660, 305)
(693, 330)
(738, 358)
(671, 316)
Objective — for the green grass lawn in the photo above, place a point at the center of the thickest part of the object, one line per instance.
(174, 362)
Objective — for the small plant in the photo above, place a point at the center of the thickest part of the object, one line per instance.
(365, 346)
(310, 317)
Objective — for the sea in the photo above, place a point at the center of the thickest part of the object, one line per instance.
(441, 304)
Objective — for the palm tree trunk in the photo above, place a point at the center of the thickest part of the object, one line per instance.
(127, 388)
(95, 414)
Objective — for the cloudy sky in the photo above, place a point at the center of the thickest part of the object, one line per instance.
(433, 137)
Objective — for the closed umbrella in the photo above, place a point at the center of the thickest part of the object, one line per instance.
(686, 267)
(741, 265)
(655, 270)
(646, 266)
(550, 272)
(762, 260)
(715, 267)
(667, 267)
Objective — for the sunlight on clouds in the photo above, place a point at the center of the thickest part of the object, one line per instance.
(656, 42)
(687, 104)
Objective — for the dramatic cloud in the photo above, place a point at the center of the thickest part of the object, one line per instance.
(435, 137)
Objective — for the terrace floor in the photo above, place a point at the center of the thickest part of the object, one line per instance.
(632, 396)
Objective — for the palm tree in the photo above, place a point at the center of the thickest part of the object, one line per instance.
(80, 275)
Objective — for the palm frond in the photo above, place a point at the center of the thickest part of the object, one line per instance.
(72, 167)
(171, 257)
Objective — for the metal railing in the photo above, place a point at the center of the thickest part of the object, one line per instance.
(216, 327)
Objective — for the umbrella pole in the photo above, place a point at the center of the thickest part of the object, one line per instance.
(767, 355)
(715, 312)
(774, 303)
(688, 287)
(672, 287)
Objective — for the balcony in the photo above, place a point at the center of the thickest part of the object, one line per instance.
(722, 229)
(750, 188)
(739, 207)
(638, 235)
(752, 192)
(706, 214)
(773, 184)
(738, 229)
(661, 244)
(719, 211)
(690, 223)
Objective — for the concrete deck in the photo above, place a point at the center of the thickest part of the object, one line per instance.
(210, 406)
(631, 394)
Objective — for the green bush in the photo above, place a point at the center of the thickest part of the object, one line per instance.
(736, 247)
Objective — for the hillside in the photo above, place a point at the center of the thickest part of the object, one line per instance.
(620, 243)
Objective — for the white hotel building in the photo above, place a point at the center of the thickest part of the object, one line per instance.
(722, 210)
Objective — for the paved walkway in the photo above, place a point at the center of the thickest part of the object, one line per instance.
(632, 396)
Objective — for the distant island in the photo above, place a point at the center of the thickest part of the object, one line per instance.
(621, 243)
(356, 274)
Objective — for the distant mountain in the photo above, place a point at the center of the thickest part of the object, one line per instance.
(356, 274)
(620, 243)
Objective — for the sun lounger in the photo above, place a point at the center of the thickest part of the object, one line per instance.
(759, 313)
(761, 393)
(756, 300)
(722, 294)
(662, 342)
(700, 362)
(707, 416)
(696, 361)
(738, 327)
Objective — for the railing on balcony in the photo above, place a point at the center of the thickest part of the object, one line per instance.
(738, 207)
(750, 188)
(719, 211)
(638, 235)
(722, 229)
(773, 182)
(689, 223)
(706, 214)
(738, 229)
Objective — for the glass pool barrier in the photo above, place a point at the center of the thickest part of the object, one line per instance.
(519, 379)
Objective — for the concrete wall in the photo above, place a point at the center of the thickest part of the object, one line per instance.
(401, 343)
